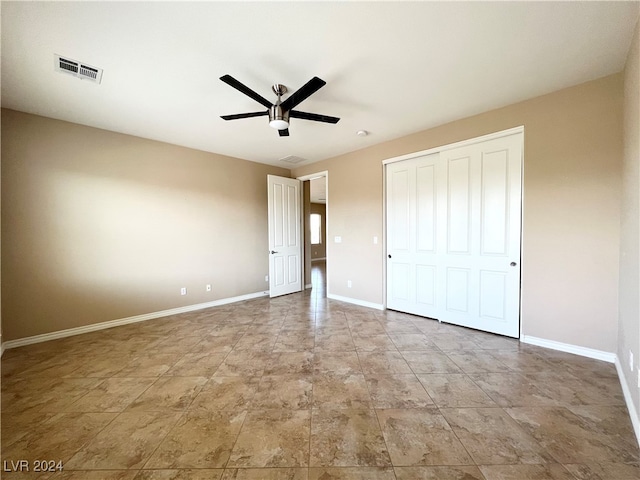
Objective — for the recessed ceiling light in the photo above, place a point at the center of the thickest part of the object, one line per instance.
(362, 133)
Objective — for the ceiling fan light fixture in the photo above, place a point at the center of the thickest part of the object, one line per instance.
(277, 118)
(278, 124)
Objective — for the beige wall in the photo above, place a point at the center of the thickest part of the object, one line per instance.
(99, 226)
(629, 309)
(1, 322)
(320, 251)
(573, 152)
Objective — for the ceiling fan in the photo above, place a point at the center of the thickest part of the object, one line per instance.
(280, 112)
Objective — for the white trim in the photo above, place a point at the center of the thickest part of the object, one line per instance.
(319, 259)
(566, 347)
(312, 176)
(125, 321)
(463, 143)
(631, 408)
(355, 301)
(308, 286)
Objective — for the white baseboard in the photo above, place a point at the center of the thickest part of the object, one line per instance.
(125, 321)
(319, 259)
(633, 413)
(566, 347)
(355, 301)
(308, 286)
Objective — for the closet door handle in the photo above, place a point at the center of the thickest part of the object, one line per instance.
(389, 255)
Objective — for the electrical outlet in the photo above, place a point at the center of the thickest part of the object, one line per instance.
(630, 360)
(375, 240)
(348, 283)
(183, 291)
(208, 288)
(266, 278)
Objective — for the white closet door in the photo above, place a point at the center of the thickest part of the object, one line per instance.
(412, 243)
(481, 278)
(453, 232)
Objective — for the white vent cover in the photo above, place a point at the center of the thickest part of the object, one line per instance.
(78, 69)
(293, 159)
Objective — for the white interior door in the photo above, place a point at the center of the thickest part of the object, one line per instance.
(285, 242)
(412, 244)
(453, 235)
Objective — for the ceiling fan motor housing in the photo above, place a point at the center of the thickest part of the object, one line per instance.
(278, 119)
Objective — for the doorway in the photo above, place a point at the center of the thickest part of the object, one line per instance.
(315, 215)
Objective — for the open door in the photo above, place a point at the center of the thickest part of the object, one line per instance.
(285, 238)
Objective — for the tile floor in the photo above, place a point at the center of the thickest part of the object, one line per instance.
(301, 387)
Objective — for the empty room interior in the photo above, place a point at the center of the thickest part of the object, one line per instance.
(320, 240)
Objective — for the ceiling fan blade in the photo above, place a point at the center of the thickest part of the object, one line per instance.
(313, 116)
(284, 133)
(244, 115)
(304, 92)
(229, 80)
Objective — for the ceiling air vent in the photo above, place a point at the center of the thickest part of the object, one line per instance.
(293, 159)
(78, 69)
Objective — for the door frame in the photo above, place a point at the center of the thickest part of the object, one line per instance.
(304, 178)
(449, 146)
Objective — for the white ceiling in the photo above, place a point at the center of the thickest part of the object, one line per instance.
(392, 68)
(318, 190)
